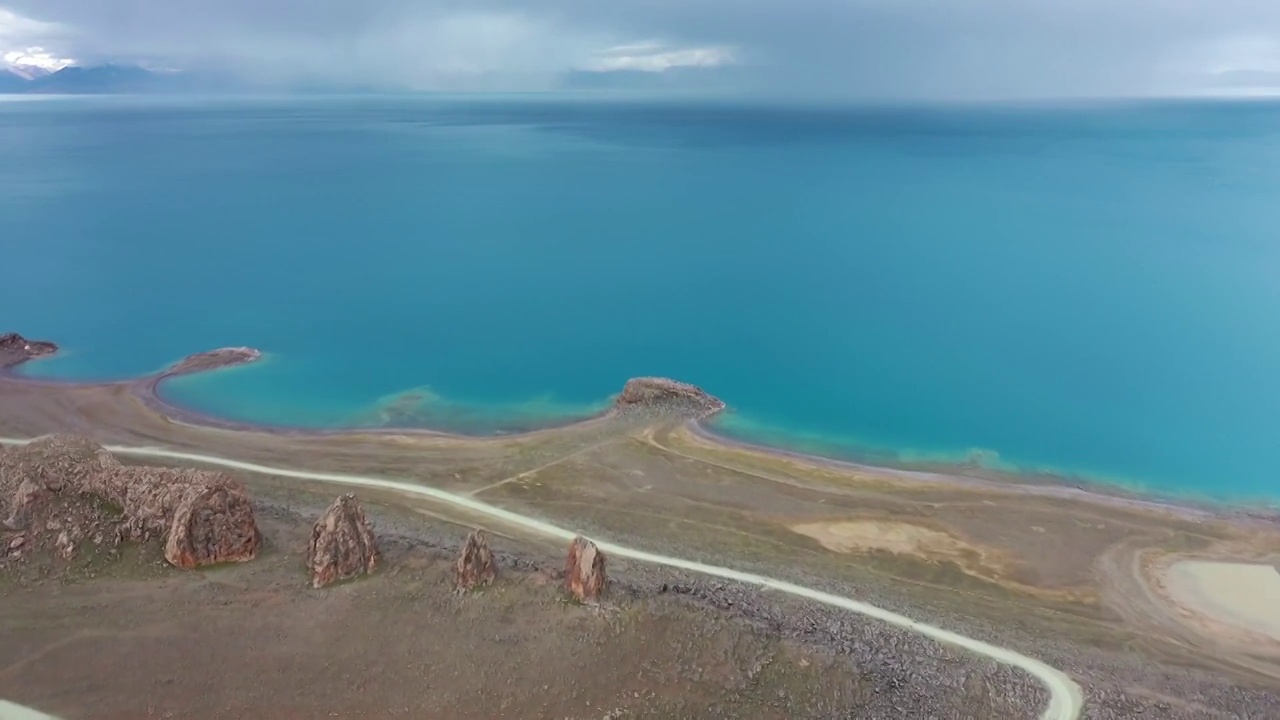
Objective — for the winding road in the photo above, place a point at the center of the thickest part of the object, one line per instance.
(1065, 697)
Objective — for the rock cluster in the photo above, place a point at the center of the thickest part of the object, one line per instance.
(663, 394)
(475, 566)
(584, 571)
(342, 544)
(203, 517)
(15, 349)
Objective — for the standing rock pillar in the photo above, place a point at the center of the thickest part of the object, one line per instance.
(584, 570)
(342, 544)
(475, 566)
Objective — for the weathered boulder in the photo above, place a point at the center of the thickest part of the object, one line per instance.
(475, 566)
(204, 517)
(584, 570)
(213, 523)
(342, 543)
(664, 394)
(15, 349)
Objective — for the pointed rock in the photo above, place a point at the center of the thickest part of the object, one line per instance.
(475, 566)
(342, 544)
(584, 570)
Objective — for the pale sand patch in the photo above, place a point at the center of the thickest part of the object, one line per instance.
(1245, 595)
(894, 537)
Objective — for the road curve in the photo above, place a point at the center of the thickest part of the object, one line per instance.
(1065, 698)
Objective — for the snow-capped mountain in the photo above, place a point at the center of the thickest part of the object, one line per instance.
(24, 73)
(32, 63)
(97, 79)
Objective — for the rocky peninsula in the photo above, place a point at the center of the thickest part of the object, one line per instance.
(15, 350)
(649, 395)
(213, 360)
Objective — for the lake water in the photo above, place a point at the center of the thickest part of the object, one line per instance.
(1091, 289)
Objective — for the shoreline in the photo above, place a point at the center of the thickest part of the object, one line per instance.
(147, 390)
(1051, 571)
(1042, 484)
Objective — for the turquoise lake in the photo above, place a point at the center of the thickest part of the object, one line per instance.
(1089, 289)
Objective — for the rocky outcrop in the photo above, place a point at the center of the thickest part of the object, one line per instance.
(15, 349)
(666, 395)
(475, 566)
(203, 517)
(342, 544)
(215, 359)
(584, 571)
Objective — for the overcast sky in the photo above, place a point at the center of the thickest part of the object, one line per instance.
(947, 49)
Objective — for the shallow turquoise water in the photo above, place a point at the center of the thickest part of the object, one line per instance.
(1089, 289)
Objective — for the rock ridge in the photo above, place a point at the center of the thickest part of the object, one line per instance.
(202, 517)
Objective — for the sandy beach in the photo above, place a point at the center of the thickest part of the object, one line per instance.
(1245, 596)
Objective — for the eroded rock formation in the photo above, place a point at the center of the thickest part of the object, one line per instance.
(203, 517)
(663, 394)
(584, 570)
(213, 523)
(342, 544)
(15, 349)
(475, 566)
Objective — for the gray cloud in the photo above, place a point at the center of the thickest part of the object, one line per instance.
(823, 48)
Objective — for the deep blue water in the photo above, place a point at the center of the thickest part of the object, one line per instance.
(1093, 289)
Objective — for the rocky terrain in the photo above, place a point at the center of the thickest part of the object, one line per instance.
(656, 643)
(665, 395)
(682, 648)
(15, 349)
(716, 641)
(201, 517)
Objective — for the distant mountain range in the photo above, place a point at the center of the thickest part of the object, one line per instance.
(131, 79)
(76, 80)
